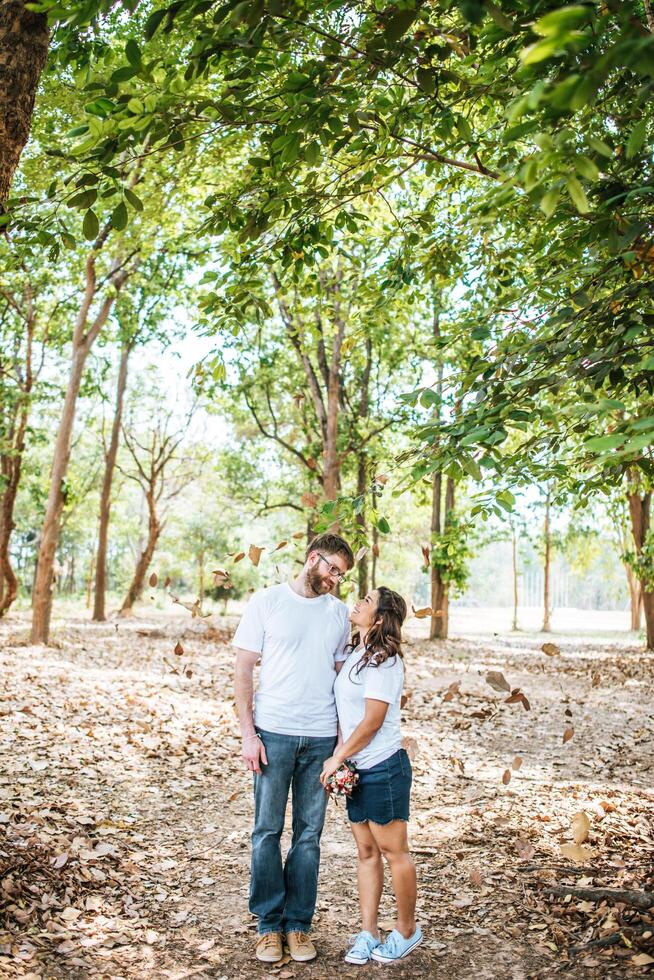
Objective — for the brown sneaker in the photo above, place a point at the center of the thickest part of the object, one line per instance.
(300, 947)
(269, 947)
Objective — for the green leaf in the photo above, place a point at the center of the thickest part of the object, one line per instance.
(383, 526)
(600, 146)
(562, 20)
(585, 166)
(90, 226)
(119, 217)
(132, 198)
(152, 23)
(539, 51)
(426, 80)
(549, 200)
(600, 444)
(398, 24)
(133, 53)
(636, 138)
(471, 466)
(578, 195)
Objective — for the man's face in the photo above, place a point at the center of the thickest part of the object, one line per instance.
(323, 571)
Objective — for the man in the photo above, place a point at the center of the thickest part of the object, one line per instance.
(300, 631)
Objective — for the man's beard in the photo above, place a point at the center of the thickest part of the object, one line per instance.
(319, 584)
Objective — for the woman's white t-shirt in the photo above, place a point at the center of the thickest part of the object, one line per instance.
(300, 641)
(381, 683)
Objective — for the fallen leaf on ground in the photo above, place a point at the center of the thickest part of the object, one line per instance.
(568, 733)
(498, 681)
(580, 827)
(577, 853)
(551, 649)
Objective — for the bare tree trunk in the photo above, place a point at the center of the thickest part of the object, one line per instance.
(375, 547)
(514, 560)
(89, 582)
(83, 340)
(142, 565)
(361, 522)
(439, 622)
(639, 510)
(546, 628)
(635, 598)
(24, 42)
(99, 614)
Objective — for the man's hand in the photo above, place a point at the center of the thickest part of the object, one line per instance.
(253, 753)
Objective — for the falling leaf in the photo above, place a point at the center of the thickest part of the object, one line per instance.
(452, 691)
(299, 534)
(239, 557)
(254, 554)
(282, 544)
(551, 649)
(423, 613)
(167, 581)
(506, 778)
(381, 478)
(580, 827)
(568, 733)
(154, 578)
(309, 500)
(410, 746)
(179, 649)
(220, 576)
(375, 550)
(517, 762)
(188, 672)
(517, 697)
(360, 554)
(426, 554)
(312, 463)
(576, 853)
(498, 681)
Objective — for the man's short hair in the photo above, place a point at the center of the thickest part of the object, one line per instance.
(331, 544)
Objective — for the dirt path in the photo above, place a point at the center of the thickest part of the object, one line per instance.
(125, 816)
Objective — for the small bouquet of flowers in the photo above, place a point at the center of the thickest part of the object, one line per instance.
(343, 781)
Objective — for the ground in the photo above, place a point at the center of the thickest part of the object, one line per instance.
(125, 813)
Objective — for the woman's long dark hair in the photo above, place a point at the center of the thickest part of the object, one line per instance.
(384, 639)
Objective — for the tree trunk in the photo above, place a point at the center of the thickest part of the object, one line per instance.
(514, 560)
(546, 569)
(440, 601)
(201, 576)
(82, 342)
(639, 510)
(24, 42)
(375, 547)
(89, 582)
(142, 565)
(362, 569)
(99, 614)
(635, 598)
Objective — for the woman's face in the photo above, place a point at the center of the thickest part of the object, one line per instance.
(364, 611)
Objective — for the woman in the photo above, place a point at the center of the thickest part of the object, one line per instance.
(368, 691)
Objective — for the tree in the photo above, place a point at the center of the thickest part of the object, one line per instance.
(153, 455)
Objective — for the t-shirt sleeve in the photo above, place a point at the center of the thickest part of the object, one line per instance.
(250, 631)
(342, 652)
(384, 683)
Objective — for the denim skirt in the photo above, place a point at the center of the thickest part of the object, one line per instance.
(383, 791)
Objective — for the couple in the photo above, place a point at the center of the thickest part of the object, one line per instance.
(313, 676)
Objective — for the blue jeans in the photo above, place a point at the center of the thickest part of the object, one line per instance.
(284, 896)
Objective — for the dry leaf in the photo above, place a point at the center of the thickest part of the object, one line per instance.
(282, 544)
(312, 463)
(381, 478)
(596, 680)
(239, 557)
(568, 733)
(375, 550)
(551, 649)
(423, 613)
(410, 746)
(525, 849)
(179, 649)
(360, 553)
(299, 534)
(506, 778)
(577, 853)
(498, 681)
(475, 878)
(154, 578)
(167, 581)
(309, 500)
(517, 762)
(642, 959)
(254, 554)
(580, 827)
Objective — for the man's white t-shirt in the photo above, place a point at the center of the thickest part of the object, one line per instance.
(300, 641)
(382, 683)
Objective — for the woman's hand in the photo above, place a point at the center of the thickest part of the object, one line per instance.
(329, 767)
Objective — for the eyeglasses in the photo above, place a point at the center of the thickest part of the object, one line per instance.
(333, 570)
